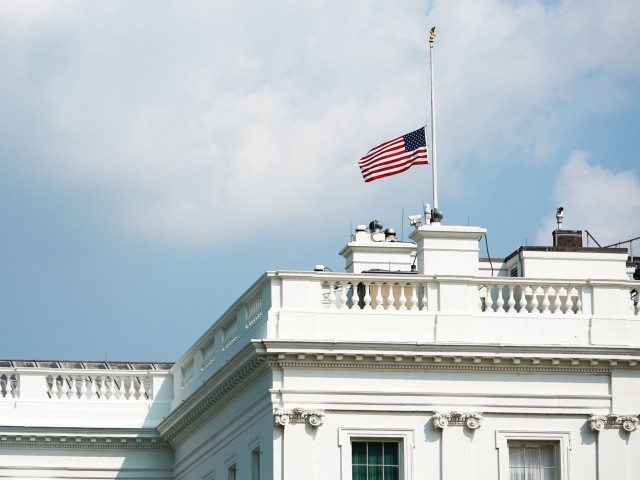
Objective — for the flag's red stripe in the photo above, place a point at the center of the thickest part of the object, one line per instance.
(392, 147)
(390, 159)
(416, 157)
(388, 173)
(382, 145)
(383, 155)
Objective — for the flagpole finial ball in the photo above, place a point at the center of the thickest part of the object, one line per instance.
(437, 215)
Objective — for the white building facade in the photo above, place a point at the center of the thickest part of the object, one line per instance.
(422, 361)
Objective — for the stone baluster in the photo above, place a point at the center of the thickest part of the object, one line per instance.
(545, 300)
(569, 302)
(500, 299)
(523, 299)
(141, 391)
(379, 299)
(102, 388)
(82, 391)
(578, 301)
(63, 388)
(402, 299)
(355, 295)
(367, 295)
(118, 387)
(74, 387)
(54, 388)
(413, 300)
(343, 295)
(111, 385)
(332, 295)
(92, 388)
(425, 301)
(391, 300)
(534, 300)
(511, 301)
(557, 303)
(488, 300)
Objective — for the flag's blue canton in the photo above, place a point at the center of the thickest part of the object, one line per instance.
(414, 140)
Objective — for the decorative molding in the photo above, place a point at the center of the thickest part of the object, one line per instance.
(477, 367)
(315, 418)
(628, 423)
(201, 406)
(472, 420)
(521, 358)
(83, 441)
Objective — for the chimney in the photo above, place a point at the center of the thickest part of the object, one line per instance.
(567, 238)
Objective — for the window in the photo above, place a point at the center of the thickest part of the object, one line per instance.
(376, 454)
(255, 464)
(532, 461)
(527, 455)
(372, 460)
(231, 472)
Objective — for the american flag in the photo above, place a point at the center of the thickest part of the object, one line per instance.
(395, 156)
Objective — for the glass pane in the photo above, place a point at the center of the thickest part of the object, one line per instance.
(375, 472)
(532, 457)
(359, 453)
(359, 472)
(375, 453)
(390, 453)
(547, 456)
(516, 456)
(391, 473)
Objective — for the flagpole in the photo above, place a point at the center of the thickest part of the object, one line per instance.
(432, 36)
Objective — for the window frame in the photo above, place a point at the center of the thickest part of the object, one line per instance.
(231, 465)
(562, 440)
(404, 437)
(255, 451)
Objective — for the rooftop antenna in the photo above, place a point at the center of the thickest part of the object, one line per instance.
(402, 226)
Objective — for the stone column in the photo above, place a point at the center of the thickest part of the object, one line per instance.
(456, 446)
(297, 443)
(613, 439)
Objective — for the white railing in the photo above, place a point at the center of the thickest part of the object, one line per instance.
(527, 297)
(374, 294)
(229, 332)
(254, 308)
(249, 310)
(9, 385)
(187, 373)
(208, 352)
(83, 386)
(288, 293)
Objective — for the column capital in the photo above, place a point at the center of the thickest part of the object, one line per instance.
(628, 423)
(472, 420)
(283, 417)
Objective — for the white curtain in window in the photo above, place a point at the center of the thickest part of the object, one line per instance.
(532, 462)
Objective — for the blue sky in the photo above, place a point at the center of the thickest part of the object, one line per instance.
(157, 157)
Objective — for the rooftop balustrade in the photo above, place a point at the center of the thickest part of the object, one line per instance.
(33, 394)
(411, 308)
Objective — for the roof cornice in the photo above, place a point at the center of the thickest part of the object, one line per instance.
(212, 392)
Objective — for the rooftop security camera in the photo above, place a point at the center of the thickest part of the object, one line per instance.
(559, 216)
(415, 220)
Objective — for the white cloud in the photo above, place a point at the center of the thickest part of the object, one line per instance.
(188, 117)
(601, 200)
